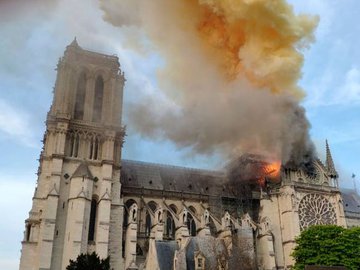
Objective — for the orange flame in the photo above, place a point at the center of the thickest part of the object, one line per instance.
(271, 171)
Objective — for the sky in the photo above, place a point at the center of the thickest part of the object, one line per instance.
(34, 35)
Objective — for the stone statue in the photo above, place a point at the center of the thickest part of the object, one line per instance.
(159, 215)
(184, 216)
(226, 221)
(206, 217)
(133, 213)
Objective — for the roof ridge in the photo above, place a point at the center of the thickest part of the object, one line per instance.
(138, 162)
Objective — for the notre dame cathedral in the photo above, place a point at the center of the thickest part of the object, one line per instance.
(154, 216)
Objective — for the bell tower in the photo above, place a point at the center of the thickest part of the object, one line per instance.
(76, 205)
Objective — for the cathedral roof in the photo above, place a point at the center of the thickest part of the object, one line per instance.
(351, 201)
(145, 175)
(212, 248)
(165, 253)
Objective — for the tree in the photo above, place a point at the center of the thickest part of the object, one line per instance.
(89, 262)
(328, 245)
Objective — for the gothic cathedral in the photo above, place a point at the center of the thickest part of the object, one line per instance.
(153, 216)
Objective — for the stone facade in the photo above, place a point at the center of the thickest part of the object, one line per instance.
(152, 216)
(77, 206)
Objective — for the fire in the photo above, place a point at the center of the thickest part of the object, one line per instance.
(272, 170)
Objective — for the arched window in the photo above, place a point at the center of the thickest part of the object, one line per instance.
(191, 225)
(173, 208)
(128, 204)
(98, 99)
(192, 209)
(28, 232)
(74, 145)
(94, 148)
(80, 97)
(91, 236)
(147, 224)
(170, 226)
(152, 205)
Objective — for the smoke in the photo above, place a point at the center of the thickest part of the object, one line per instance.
(11, 10)
(230, 75)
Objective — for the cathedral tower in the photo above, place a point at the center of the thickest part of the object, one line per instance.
(76, 206)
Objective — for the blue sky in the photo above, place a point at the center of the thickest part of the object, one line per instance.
(34, 35)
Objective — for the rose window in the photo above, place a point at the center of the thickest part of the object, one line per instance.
(315, 209)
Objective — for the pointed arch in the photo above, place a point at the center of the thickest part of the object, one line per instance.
(191, 225)
(192, 209)
(128, 203)
(80, 97)
(169, 226)
(92, 221)
(74, 145)
(28, 232)
(147, 224)
(98, 99)
(153, 205)
(173, 208)
(94, 148)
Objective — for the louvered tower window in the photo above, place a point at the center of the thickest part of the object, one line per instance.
(92, 223)
(80, 97)
(98, 99)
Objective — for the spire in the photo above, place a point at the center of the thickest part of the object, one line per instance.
(74, 43)
(330, 163)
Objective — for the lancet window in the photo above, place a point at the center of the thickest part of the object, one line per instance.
(80, 97)
(98, 99)
(191, 225)
(92, 223)
(170, 226)
(94, 148)
(147, 224)
(74, 141)
(28, 232)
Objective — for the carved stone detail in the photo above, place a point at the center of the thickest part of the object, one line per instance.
(315, 209)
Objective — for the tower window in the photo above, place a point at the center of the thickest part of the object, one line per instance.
(74, 147)
(80, 97)
(28, 232)
(98, 99)
(94, 148)
(91, 236)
